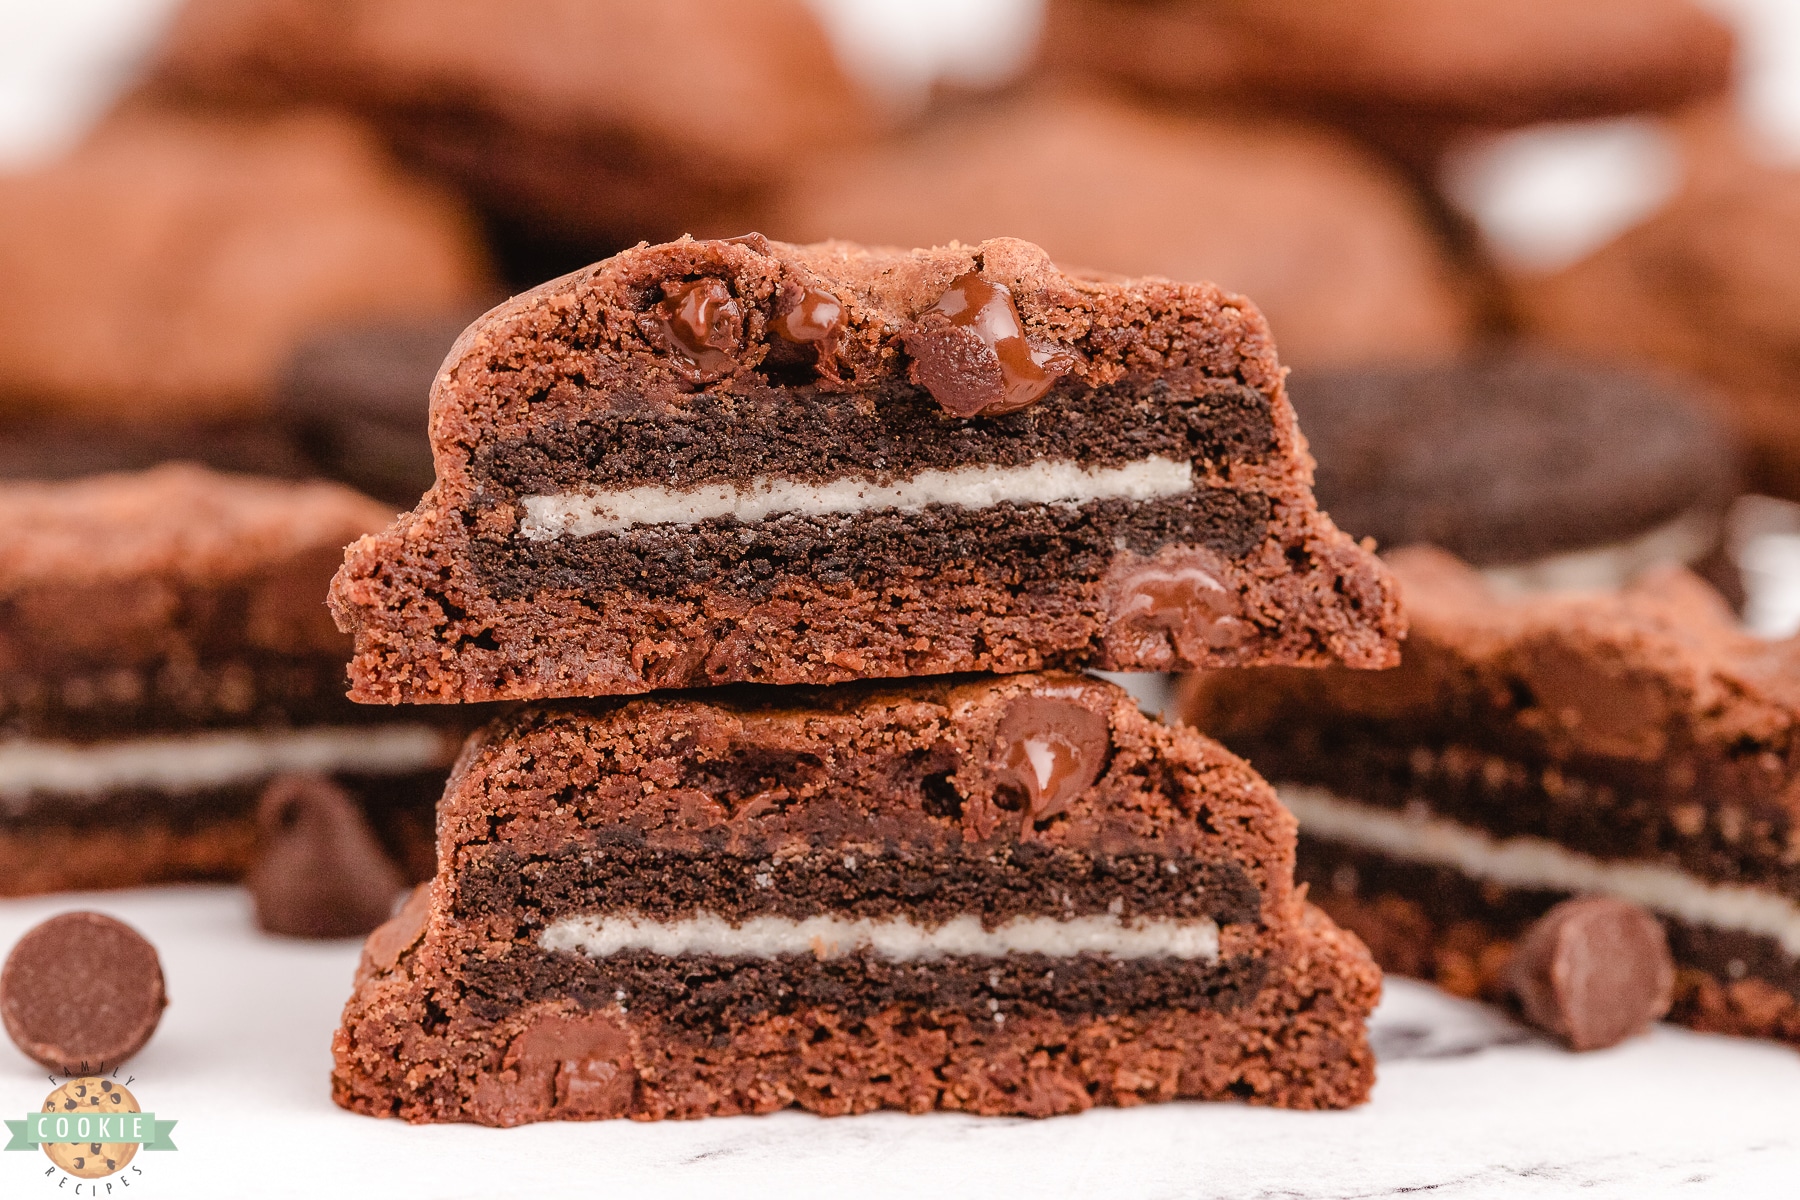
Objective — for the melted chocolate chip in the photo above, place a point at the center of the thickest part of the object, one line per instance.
(1593, 971)
(815, 318)
(969, 351)
(81, 992)
(1169, 613)
(701, 322)
(574, 1066)
(1052, 747)
(322, 874)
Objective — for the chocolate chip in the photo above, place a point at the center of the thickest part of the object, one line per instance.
(701, 321)
(969, 351)
(81, 992)
(1596, 704)
(1168, 616)
(575, 1065)
(816, 317)
(1593, 971)
(322, 874)
(754, 240)
(1052, 748)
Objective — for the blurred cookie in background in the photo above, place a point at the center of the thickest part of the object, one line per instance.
(1328, 242)
(1708, 284)
(1547, 472)
(596, 124)
(1409, 73)
(164, 652)
(50, 447)
(166, 268)
(1635, 744)
(356, 399)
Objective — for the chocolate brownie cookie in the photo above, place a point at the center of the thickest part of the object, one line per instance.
(605, 121)
(164, 651)
(1512, 460)
(1012, 895)
(168, 266)
(1329, 242)
(1634, 744)
(744, 461)
(356, 399)
(1405, 67)
(1707, 285)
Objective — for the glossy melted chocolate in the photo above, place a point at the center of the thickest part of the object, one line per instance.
(701, 322)
(1052, 747)
(1185, 605)
(815, 318)
(969, 351)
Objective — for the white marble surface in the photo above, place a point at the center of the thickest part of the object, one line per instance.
(1467, 1105)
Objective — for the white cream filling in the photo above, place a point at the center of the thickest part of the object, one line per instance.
(578, 514)
(895, 938)
(1529, 862)
(1684, 540)
(201, 760)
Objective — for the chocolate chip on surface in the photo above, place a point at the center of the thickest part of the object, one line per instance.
(969, 351)
(80, 992)
(1593, 971)
(322, 874)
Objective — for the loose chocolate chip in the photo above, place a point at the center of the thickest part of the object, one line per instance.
(322, 874)
(1052, 747)
(816, 317)
(81, 992)
(701, 322)
(1185, 609)
(969, 351)
(1593, 971)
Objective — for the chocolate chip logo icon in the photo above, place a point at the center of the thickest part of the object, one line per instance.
(90, 1097)
(91, 1127)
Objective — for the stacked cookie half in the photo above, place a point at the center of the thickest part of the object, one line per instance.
(796, 553)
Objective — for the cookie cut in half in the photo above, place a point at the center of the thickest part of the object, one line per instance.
(1014, 895)
(742, 461)
(1635, 744)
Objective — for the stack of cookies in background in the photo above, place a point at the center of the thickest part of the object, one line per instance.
(163, 659)
(975, 881)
